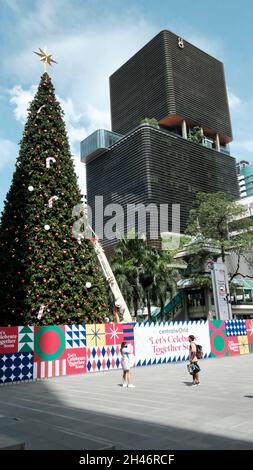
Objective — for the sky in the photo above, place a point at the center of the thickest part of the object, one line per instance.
(90, 39)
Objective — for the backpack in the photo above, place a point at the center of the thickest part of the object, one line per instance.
(199, 351)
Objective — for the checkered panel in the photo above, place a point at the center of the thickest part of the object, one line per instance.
(15, 367)
(103, 358)
(236, 328)
(75, 336)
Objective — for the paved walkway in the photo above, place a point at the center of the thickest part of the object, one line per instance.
(92, 411)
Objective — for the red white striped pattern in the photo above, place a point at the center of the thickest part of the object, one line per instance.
(46, 369)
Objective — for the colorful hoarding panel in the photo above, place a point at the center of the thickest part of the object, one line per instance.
(230, 337)
(16, 367)
(76, 361)
(8, 339)
(103, 345)
(28, 352)
(157, 343)
(101, 358)
(49, 351)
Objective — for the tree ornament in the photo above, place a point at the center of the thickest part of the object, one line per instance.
(39, 110)
(30, 188)
(51, 200)
(88, 285)
(41, 310)
(47, 227)
(50, 160)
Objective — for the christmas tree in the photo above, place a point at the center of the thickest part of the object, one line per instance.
(46, 275)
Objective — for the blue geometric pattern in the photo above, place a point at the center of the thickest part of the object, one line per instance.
(16, 367)
(103, 358)
(236, 328)
(75, 336)
(175, 324)
(128, 331)
(152, 362)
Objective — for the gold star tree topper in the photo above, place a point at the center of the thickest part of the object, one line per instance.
(45, 57)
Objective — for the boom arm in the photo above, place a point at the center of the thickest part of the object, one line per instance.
(118, 297)
(106, 268)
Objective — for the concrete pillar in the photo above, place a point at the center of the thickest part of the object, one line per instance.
(217, 142)
(184, 129)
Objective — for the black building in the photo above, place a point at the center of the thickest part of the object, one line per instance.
(171, 80)
(181, 87)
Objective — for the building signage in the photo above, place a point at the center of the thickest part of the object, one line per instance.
(167, 342)
(221, 291)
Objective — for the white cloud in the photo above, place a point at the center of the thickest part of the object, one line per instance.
(233, 100)
(81, 174)
(87, 54)
(8, 153)
(20, 99)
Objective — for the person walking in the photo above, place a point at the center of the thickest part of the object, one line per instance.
(194, 360)
(128, 362)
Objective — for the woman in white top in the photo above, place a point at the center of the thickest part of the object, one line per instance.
(128, 362)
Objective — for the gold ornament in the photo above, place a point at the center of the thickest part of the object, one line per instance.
(45, 58)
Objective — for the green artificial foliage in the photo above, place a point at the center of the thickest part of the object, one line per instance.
(43, 268)
(151, 121)
(196, 135)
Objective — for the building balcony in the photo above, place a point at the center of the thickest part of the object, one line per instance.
(96, 143)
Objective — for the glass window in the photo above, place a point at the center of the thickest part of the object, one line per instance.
(98, 140)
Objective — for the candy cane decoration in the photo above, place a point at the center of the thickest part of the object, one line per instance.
(39, 110)
(41, 310)
(49, 160)
(51, 200)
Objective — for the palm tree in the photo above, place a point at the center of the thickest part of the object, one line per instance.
(164, 283)
(127, 265)
(144, 274)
